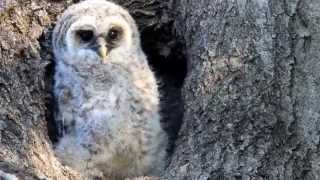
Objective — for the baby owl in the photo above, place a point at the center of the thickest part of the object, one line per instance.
(106, 95)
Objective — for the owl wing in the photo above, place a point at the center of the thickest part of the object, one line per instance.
(65, 121)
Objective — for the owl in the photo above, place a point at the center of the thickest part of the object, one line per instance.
(106, 95)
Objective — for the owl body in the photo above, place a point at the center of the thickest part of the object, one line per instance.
(107, 99)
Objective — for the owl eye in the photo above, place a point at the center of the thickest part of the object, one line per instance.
(85, 35)
(114, 34)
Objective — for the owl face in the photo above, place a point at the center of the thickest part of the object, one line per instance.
(99, 38)
(95, 32)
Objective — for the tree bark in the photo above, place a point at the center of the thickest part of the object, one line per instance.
(251, 96)
(25, 149)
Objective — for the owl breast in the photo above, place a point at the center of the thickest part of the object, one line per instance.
(112, 112)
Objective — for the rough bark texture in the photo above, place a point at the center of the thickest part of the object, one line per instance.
(25, 149)
(250, 97)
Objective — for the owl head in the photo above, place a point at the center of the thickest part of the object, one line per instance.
(95, 31)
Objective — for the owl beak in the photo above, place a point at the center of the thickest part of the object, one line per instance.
(103, 52)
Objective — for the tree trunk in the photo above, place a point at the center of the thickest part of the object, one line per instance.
(25, 149)
(250, 98)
